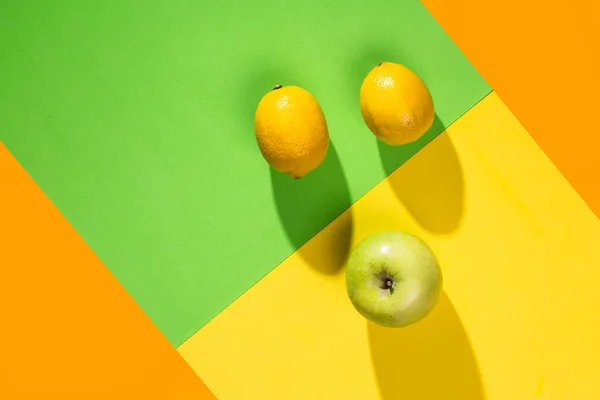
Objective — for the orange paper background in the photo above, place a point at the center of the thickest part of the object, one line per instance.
(69, 330)
(539, 57)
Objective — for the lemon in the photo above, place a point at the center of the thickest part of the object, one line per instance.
(395, 104)
(291, 130)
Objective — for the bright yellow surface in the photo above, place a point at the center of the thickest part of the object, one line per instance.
(519, 319)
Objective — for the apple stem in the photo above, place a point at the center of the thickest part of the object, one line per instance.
(389, 283)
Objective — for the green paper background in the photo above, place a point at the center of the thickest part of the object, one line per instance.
(136, 119)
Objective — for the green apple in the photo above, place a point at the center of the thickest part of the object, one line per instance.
(393, 278)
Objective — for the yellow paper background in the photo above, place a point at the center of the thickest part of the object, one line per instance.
(519, 316)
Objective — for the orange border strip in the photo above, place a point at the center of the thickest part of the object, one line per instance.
(69, 330)
(538, 58)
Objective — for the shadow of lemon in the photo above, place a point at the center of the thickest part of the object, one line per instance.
(306, 206)
(430, 184)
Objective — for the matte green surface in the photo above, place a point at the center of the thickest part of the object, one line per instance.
(135, 117)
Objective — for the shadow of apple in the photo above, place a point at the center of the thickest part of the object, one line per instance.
(431, 359)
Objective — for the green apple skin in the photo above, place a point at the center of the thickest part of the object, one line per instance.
(393, 279)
